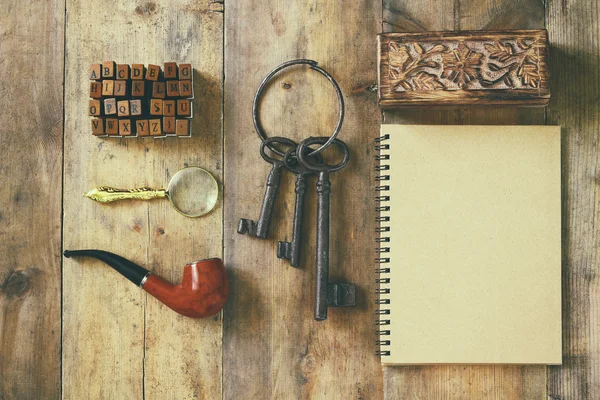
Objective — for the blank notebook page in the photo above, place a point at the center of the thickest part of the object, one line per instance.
(475, 245)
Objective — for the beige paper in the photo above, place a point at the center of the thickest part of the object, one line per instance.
(475, 245)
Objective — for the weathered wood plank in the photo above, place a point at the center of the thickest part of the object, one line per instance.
(31, 115)
(118, 342)
(272, 346)
(575, 81)
(183, 355)
(465, 382)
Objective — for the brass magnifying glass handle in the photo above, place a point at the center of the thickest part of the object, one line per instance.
(106, 194)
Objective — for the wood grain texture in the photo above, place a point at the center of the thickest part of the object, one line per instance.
(117, 341)
(31, 74)
(464, 382)
(575, 52)
(272, 347)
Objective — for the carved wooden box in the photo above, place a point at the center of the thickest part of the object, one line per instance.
(434, 69)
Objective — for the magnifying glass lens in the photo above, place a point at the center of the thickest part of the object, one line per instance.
(193, 191)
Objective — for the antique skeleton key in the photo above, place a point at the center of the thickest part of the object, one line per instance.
(260, 228)
(326, 294)
(291, 250)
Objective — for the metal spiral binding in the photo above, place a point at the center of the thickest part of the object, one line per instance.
(383, 217)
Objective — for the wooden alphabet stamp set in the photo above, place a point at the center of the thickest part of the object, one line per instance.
(140, 101)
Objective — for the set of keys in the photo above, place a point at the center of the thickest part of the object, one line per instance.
(298, 161)
(303, 161)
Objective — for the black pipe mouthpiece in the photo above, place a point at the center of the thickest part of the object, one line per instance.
(128, 269)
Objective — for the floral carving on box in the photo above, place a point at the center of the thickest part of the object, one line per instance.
(464, 65)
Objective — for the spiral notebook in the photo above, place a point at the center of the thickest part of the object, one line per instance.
(469, 245)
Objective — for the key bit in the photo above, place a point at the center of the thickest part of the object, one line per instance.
(247, 226)
(284, 250)
(341, 295)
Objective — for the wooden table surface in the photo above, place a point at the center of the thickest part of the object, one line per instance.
(75, 329)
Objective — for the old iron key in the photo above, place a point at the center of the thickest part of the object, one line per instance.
(260, 228)
(327, 294)
(291, 250)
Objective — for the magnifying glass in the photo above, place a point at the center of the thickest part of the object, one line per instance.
(192, 191)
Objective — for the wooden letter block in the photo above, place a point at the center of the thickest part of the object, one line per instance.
(142, 127)
(125, 127)
(108, 69)
(158, 90)
(97, 127)
(153, 72)
(112, 126)
(123, 108)
(173, 88)
(182, 127)
(185, 71)
(170, 71)
(96, 90)
(137, 88)
(156, 107)
(108, 87)
(120, 88)
(122, 72)
(95, 71)
(137, 72)
(95, 108)
(169, 125)
(185, 89)
(434, 69)
(168, 108)
(155, 128)
(184, 108)
(135, 108)
(110, 107)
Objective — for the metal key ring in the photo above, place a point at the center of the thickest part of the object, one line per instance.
(296, 167)
(321, 167)
(275, 139)
(313, 65)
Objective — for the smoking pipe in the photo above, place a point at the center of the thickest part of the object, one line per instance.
(202, 292)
